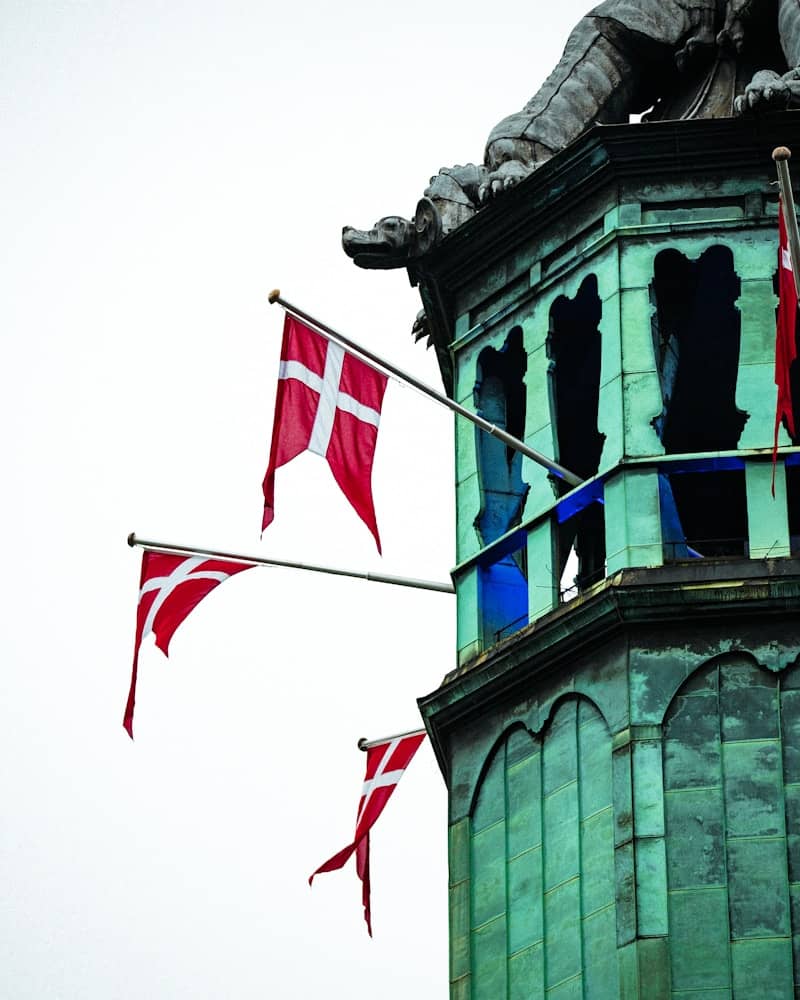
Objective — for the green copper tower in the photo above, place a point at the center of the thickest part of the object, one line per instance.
(620, 735)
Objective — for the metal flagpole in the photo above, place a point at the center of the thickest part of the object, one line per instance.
(781, 155)
(398, 581)
(364, 744)
(485, 425)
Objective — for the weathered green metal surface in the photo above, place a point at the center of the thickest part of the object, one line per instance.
(625, 792)
(624, 768)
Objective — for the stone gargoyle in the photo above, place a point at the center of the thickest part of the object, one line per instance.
(673, 59)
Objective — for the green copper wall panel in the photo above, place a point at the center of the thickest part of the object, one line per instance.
(489, 960)
(699, 941)
(757, 889)
(526, 974)
(753, 788)
(468, 494)
(468, 631)
(695, 828)
(762, 969)
(523, 788)
(637, 343)
(597, 866)
(625, 893)
(648, 788)
(525, 927)
(641, 400)
(537, 411)
(563, 958)
(459, 930)
(601, 966)
(542, 582)
(633, 525)
(794, 901)
(572, 989)
(488, 874)
(767, 518)
(651, 887)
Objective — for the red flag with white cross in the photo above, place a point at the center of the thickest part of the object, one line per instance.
(785, 338)
(171, 586)
(785, 344)
(328, 402)
(386, 764)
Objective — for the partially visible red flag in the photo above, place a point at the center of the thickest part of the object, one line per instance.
(785, 342)
(328, 402)
(170, 587)
(386, 762)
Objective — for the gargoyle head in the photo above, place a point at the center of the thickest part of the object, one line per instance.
(393, 240)
(386, 245)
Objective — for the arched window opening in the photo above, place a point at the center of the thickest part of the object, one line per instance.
(574, 348)
(500, 398)
(696, 335)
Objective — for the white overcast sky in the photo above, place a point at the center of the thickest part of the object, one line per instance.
(164, 166)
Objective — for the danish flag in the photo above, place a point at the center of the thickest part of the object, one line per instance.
(386, 763)
(328, 402)
(785, 342)
(170, 587)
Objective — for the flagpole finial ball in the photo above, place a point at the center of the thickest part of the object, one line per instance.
(362, 743)
(781, 153)
(275, 294)
(132, 539)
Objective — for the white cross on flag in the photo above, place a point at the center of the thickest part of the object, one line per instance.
(328, 402)
(171, 586)
(386, 763)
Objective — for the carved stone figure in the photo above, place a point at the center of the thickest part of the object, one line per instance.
(673, 59)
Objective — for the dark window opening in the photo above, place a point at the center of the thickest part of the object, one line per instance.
(500, 399)
(703, 515)
(504, 594)
(574, 348)
(582, 550)
(793, 505)
(696, 334)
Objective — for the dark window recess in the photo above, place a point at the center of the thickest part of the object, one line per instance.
(574, 348)
(703, 514)
(504, 595)
(696, 334)
(793, 505)
(500, 398)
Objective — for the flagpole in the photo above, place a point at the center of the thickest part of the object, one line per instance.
(364, 744)
(397, 581)
(485, 425)
(781, 155)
